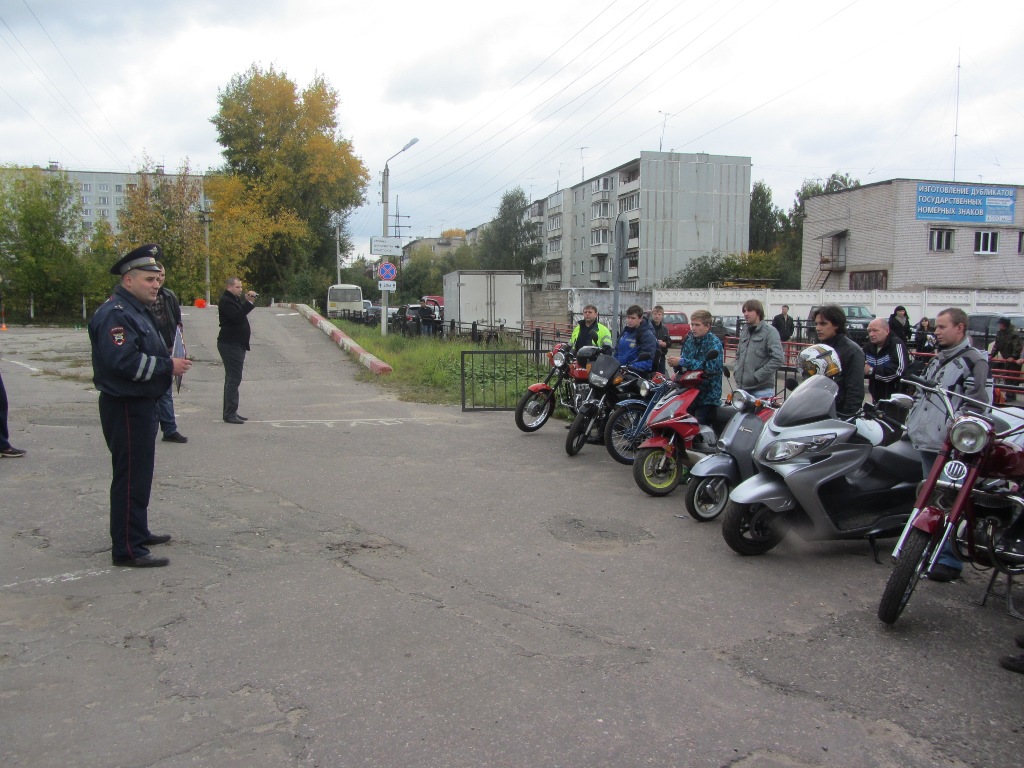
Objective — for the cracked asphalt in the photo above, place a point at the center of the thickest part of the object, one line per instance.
(359, 581)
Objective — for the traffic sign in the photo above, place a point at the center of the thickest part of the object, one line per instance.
(385, 246)
(387, 285)
(387, 271)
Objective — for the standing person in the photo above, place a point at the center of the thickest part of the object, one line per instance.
(637, 345)
(1007, 346)
(7, 451)
(132, 370)
(900, 324)
(233, 342)
(589, 331)
(166, 311)
(426, 315)
(830, 323)
(661, 334)
(693, 356)
(924, 337)
(885, 360)
(962, 369)
(783, 323)
(759, 352)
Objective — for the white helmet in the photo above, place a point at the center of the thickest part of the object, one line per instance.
(820, 358)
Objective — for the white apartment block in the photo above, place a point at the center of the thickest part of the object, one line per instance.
(913, 234)
(675, 207)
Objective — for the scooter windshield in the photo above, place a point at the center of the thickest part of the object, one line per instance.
(813, 400)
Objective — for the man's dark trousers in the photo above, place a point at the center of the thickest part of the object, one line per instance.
(234, 361)
(129, 427)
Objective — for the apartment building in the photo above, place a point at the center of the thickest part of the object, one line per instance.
(914, 234)
(674, 207)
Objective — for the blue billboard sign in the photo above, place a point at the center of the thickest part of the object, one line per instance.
(972, 204)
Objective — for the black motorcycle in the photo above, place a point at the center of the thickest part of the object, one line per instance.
(610, 383)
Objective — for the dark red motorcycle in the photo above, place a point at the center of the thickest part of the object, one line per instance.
(565, 385)
(972, 500)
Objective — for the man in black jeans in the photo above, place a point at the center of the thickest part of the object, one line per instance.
(233, 342)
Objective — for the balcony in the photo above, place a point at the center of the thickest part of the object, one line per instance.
(604, 194)
(631, 186)
(601, 249)
(601, 277)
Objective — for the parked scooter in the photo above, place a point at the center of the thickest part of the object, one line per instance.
(610, 383)
(971, 499)
(662, 460)
(711, 478)
(626, 427)
(565, 385)
(825, 478)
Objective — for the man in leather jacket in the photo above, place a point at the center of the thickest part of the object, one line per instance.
(830, 323)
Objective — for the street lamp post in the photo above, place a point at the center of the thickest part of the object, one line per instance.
(384, 199)
(206, 213)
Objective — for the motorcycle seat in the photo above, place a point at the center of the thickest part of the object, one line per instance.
(899, 459)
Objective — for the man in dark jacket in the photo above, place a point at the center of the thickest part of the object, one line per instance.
(233, 342)
(885, 360)
(662, 336)
(166, 313)
(783, 323)
(636, 346)
(830, 323)
(1007, 348)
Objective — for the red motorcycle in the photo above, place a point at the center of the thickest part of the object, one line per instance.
(565, 385)
(971, 500)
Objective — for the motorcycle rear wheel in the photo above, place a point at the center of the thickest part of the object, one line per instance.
(578, 432)
(656, 473)
(534, 409)
(623, 432)
(706, 497)
(910, 566)
(751, 529)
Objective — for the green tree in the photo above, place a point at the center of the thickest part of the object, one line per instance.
(286, 146)
(511, 240)
(765, 218)
(40, 240)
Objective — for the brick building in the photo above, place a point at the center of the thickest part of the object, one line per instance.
(912, 234)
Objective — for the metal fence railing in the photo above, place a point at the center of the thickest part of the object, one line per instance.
(494, 379)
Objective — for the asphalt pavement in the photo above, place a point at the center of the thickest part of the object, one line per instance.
(361, 581)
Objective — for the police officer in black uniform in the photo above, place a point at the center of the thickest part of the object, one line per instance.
(131, 369)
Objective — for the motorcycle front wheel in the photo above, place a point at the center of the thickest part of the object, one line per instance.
(751, 529)
(910, 566)
(534, 409)
(706, 497)
(624, 432)
(578, 432)
(657, 473)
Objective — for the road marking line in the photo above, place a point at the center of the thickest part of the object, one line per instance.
(60, 578)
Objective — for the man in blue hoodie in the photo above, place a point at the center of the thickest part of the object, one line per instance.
(637, 344)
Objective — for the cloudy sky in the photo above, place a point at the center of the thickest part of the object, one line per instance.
(530, 95)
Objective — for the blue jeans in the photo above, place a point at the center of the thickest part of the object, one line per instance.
(165, 412)
(946, 556)
(763, 393)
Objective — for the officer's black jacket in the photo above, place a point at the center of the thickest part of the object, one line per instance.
(129, 357)
(234, 325)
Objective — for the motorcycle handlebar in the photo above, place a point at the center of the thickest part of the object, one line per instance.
(920, 381)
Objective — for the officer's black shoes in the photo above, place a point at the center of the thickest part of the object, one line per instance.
(175, 437)
(156, 538)
(12, 453)
(243, 418)
(146, 561)
(234, 420)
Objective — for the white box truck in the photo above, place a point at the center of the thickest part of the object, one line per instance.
(488, 297)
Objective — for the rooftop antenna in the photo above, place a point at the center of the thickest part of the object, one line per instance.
(583, 175)
(956, 119)
(663, 121)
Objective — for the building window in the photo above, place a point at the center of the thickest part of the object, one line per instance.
(1020, 242)
(630, 202)
(103, 213)
(555, 199)
(634, 230)
(554, 245)
(118, 201)
(634, 260)
(85, 200)
(577, 195)
(869, 281)
(102, 187)
(600, 210)
(555, 222)
(839, 248)
(986, 242)
(600, 236)
(103, 201)
(119, 187)
(601, 185)
(87, 211)
(940, 240)
(87, 187)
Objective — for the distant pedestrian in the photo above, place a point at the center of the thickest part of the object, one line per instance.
(783, 323)
(132, 370)
(233, 342)
(900, 324)
(166, 311)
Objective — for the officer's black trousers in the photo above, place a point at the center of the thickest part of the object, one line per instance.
(129, 427)
(233, 357)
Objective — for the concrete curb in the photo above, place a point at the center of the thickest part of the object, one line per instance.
(375, 364)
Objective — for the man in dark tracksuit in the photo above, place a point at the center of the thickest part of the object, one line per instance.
(131, 370)
(233, 342)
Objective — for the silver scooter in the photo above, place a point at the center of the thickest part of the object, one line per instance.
(823, 477)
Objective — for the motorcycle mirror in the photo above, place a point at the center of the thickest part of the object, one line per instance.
(792, 384)
(726, 372)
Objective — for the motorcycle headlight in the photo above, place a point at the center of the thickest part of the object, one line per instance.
(969, 434)
(645, 387)
(598, 381)
(741, 399)
(784, 450)
(558, 359)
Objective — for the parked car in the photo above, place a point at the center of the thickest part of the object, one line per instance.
(726, 326)
(982, 327)
(857, 318)
(678, 325)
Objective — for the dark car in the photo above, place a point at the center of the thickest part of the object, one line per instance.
(726, 327)
(857, 318)
(982, 327)
(678, 325)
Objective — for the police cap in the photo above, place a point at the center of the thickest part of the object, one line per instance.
(144, 257)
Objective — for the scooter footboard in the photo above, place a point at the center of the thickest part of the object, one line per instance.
(764, 489)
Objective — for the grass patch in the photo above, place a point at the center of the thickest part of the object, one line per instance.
(429, 370)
